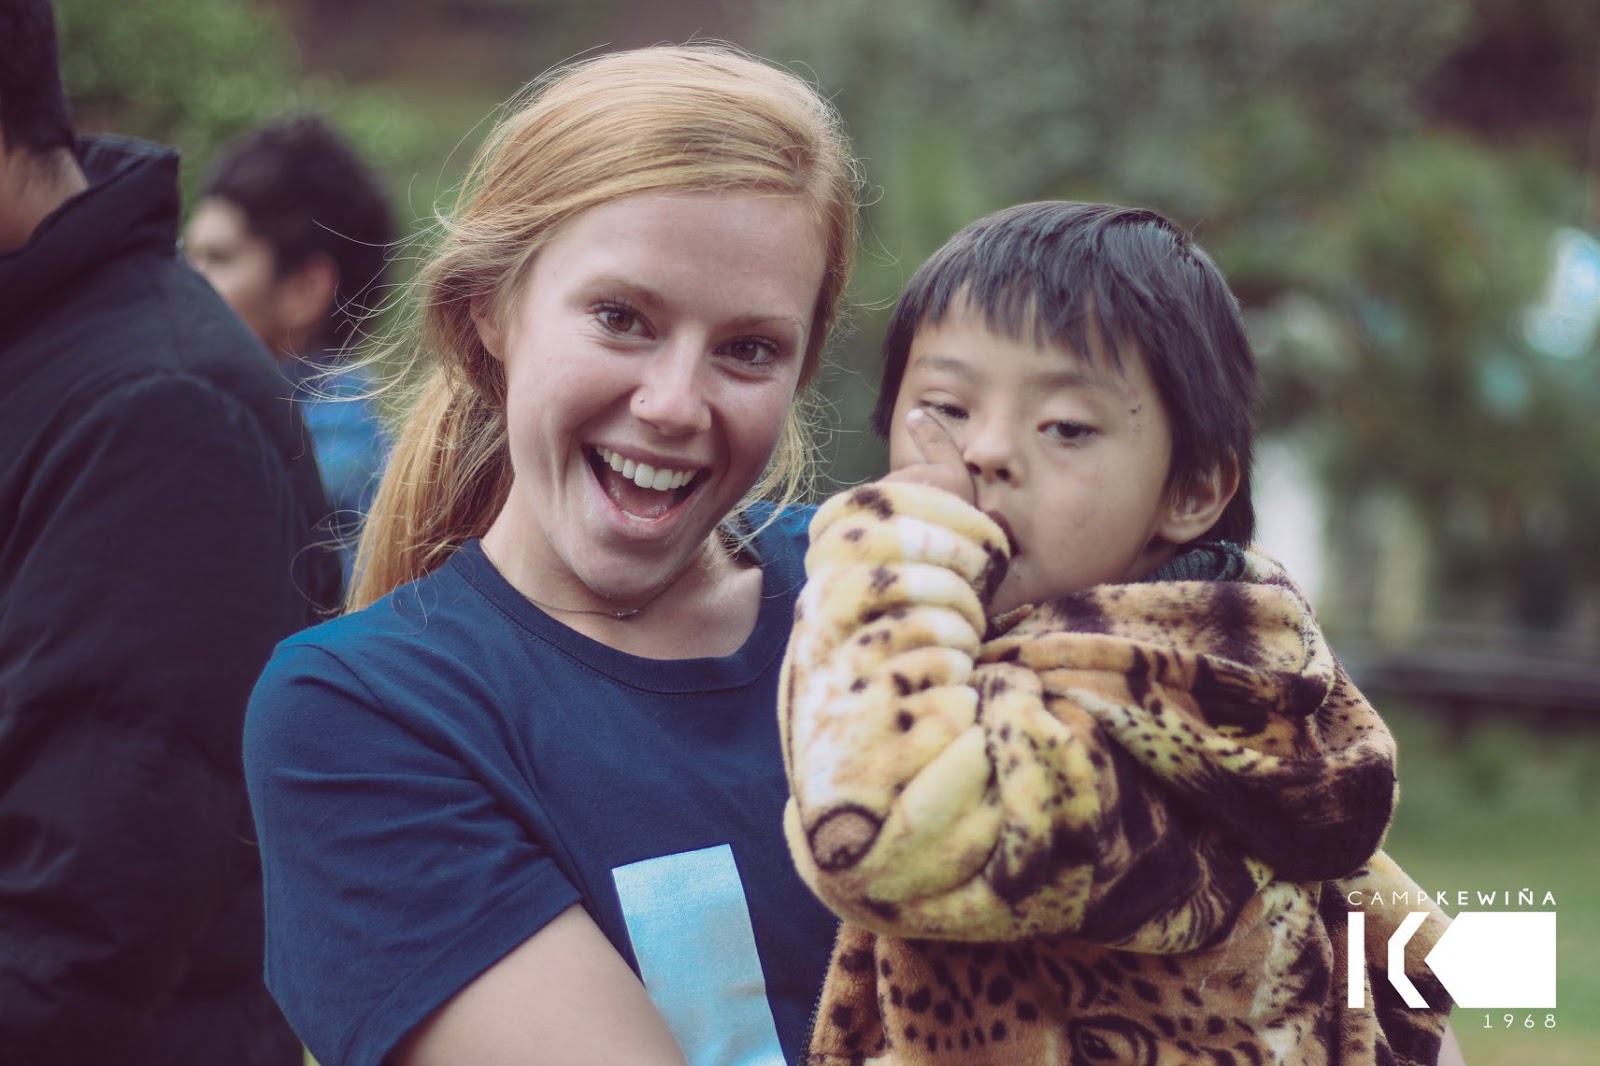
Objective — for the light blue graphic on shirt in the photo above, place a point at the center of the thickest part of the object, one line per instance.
(691, 933)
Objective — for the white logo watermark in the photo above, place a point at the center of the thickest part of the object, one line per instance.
(1484, 959)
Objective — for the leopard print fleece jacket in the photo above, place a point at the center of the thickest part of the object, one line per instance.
(1119, 827)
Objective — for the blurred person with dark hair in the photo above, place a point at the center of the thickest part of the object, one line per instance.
(292, 230)
(158, 513)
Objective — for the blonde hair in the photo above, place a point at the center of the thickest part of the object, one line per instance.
(692, 118)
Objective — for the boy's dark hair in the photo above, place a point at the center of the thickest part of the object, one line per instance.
(1128, 274)
(34, 115)
(305, 192)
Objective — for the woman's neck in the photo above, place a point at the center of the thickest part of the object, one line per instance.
(707, 610)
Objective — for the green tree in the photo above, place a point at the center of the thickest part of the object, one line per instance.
(1215, 112)
(197, 73)
(1293, 137)
(187, 73)
(1424, 383)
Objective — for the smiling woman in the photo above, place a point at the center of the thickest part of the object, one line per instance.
(523, 802)
(666, 334)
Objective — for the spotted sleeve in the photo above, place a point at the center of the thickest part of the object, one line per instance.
(1056, 778)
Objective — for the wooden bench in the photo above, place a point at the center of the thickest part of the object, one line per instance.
(1467, 676)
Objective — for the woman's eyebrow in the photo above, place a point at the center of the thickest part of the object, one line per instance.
(652, 299)
(634, 290)
(767, 321)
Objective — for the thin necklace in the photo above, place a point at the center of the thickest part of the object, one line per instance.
(620, 616)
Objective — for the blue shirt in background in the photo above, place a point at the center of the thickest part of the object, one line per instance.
(349, 437)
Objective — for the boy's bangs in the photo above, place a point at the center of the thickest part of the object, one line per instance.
(1060, 302)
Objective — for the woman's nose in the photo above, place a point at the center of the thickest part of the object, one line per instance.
(672, 397)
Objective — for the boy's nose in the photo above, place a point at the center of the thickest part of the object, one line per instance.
(989, 453)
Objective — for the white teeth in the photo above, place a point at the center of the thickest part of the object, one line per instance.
(644, 475)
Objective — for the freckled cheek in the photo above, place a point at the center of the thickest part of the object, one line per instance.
(762, 407)
(757, 430)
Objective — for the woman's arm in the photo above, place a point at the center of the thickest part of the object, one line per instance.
(398, 879)
(564, 996)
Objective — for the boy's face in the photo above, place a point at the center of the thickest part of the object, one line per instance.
(288, 310)
(1071, 453)
(239, 265)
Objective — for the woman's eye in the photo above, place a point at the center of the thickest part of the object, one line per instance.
(1068, 431)
(752, 351)
(617, 319)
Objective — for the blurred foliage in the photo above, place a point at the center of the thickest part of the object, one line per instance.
(1411, 366)
(1213, 111)
(1384, 261)
(196, 73)
(505, 42)
(176, 71)
(1523, 70)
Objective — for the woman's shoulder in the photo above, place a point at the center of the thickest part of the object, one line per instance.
(430, 615)
(416, 656)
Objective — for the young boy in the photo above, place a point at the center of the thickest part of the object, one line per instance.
(1076, 766)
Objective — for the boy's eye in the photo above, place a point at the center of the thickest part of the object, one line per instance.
(1068, 431)
(941, 407)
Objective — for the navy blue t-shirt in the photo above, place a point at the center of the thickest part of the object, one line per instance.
(436, 777)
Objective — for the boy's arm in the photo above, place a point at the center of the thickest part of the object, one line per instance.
(934, 796)
(945, 788)
(876, 691)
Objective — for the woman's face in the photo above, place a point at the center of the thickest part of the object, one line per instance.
(650, 362)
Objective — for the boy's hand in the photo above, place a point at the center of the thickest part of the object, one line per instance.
(942, 465)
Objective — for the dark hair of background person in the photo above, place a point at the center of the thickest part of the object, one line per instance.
(305, 192)
(34, 114)
(1130, 275)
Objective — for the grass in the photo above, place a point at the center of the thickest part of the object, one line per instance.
(1504, 808)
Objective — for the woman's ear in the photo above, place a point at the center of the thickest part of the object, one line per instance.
(1195, 508)
(487, 323)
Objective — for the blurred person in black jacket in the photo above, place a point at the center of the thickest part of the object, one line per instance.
(158, 535)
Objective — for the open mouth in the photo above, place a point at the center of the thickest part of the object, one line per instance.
(638, 489)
